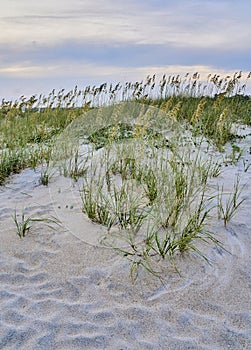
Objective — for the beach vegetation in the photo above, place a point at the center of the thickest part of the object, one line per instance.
(150, 151)
(229, 202)
(23, 223)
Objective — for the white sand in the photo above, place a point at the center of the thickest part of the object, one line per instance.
(58, 292)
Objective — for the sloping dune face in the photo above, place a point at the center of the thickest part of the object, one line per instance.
(66, 287)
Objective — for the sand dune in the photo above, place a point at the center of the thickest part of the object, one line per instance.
(58, 292)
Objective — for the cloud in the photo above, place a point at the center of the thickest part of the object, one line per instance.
(70, 53)
(185, 24)
(107, 73)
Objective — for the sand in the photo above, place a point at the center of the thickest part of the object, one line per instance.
(61, 290)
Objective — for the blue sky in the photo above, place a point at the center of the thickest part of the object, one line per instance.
(59, 44)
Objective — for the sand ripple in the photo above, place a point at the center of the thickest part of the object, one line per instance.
(57, 292)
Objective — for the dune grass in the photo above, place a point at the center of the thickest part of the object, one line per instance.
(153, 199)
(210, 107)
(23, 223)
(227, 207)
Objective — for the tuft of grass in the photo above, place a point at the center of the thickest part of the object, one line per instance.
(128, 209)
(246, 165)
(150, 186)
(227, 207)
(45, 176)
(23, 225)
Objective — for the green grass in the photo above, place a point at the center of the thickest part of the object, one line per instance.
(229, 203)
(139, 185)
(24, 224)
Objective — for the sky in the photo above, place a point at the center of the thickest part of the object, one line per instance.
(62, 43)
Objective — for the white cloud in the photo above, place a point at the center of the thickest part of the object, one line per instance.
(105, 72)
(28, 80)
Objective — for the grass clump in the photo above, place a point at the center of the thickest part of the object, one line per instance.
(229, 203)
(23, 225)
(152, 200)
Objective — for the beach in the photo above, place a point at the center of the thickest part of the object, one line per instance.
(62, 290)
